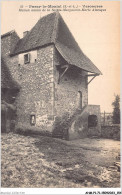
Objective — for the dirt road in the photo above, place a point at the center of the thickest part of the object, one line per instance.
(47, 162)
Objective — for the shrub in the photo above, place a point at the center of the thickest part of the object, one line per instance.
(61, 126)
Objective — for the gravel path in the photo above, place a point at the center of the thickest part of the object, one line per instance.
(47, 162)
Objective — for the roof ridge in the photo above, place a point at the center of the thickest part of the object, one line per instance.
(54, 34)
(37, 22)
(69, 32)
(29, 33)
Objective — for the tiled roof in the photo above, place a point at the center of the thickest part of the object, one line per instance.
(52, 29)
(41, 34)
(7, 81)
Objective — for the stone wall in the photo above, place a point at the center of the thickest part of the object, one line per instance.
(36, 95)
(66, 91)
(110, 131)
(42, 94)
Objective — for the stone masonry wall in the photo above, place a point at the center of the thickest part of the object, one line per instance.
(36, 95)
(40, 93)
(37, 89)
(66, 92)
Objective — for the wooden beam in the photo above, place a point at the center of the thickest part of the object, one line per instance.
(89, 75)
(60, 76)
(64, 66)
(91, 80)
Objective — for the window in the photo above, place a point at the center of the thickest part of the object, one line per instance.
(79, 99)
(92, 121)
(32, 119)
(26, 58)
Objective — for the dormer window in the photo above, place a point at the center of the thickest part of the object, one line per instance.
(26, 58)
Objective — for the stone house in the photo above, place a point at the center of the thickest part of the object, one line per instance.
(51, 75)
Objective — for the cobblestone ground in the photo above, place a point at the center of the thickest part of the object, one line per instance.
(47, 162)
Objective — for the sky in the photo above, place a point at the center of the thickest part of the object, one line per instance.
(96, 32)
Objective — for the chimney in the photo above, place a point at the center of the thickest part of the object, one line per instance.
(25, 33)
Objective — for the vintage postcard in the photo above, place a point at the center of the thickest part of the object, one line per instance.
(60, 97)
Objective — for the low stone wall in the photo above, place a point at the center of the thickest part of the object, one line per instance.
(111, 131)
